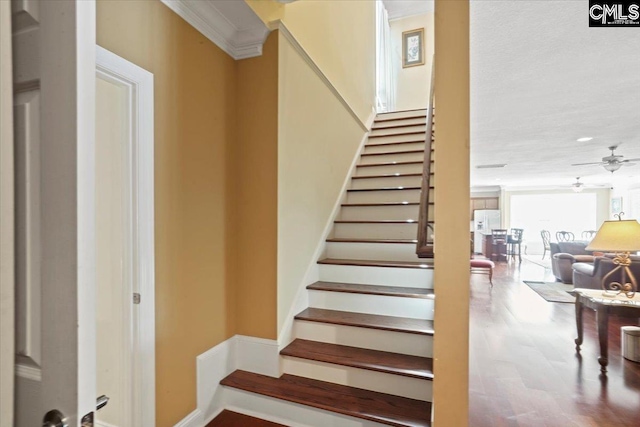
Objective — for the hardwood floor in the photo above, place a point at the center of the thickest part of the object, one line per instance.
(524, 370)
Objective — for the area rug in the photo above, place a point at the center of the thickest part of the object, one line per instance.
(553, 291)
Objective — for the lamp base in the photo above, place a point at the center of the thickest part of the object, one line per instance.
(628, 288)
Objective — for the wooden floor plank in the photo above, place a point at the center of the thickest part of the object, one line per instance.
(373, 360)
(359, 403)
(393, 291)
(371, 321)
(234, 419)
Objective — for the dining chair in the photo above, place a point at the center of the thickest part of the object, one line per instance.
(546, 241)
(499, 243)
(514, 242)
(565, 236)
(588, 234)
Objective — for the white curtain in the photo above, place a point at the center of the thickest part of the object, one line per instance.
(385, 71)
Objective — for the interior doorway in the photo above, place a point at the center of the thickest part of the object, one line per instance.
(125, 320)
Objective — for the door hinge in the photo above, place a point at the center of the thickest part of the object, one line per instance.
(136, 298)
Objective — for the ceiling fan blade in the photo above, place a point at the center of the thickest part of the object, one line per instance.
(628, 164)
(631, 160)
(585, 164)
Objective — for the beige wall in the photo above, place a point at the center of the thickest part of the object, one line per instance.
(340, 38)
(195, 107)
(318, 140)
(451, 343)
(412, 89)
(112, 125)
(6, 220)
(253, 180)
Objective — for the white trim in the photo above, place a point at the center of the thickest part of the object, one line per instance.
(240, 40)
(103, 424)
(28, 372)
(301, 300)
(139, 83)
(194, 419)
(258, 355)
(279, 25)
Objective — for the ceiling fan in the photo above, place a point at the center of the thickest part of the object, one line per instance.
(611, 163)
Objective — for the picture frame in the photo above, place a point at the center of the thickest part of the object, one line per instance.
(413, 48)
(616, 205)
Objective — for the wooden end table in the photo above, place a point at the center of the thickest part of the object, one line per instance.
(603, 306)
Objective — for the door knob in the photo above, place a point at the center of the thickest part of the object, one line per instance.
(54, 418)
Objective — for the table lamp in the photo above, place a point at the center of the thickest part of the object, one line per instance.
(622, 237)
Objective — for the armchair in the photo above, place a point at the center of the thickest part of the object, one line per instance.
(587, 275)
(564, 255)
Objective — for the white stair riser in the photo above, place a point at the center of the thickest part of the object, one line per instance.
(381, 148)
(403, 122)
(388, 181)
(397, 138)
(383, 196)
(373, 251)
(379, 213)
(385, 276)
(412, 388)
(401, 115)
(290, 414)
(376, 231)
(388, 169)
(373, 339)
(415, 308)
(399, 130)
(392, 157)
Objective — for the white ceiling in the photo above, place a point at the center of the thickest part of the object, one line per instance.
(402, 8)
(540, 79)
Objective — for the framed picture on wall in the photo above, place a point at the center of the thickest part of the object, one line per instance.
(413, 48)
(616, 205)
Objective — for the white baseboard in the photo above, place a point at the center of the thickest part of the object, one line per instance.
(194, 419)
(251, 354)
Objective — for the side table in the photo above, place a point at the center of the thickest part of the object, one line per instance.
(618, 305)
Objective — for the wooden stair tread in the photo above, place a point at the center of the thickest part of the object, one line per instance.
(414, 162)
(370, 321)
(354, 240)
(359, 403)
(234, 419)
(382, 144)
(356, 357)
(392, 291)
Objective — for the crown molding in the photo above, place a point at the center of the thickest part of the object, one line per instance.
(232, 25)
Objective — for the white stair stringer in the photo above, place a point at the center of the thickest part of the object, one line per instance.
(382, 382)
(372, 339)
(384, 276)
(288, 413)
(384, 305)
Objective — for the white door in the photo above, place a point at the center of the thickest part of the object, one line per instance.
(54, 119)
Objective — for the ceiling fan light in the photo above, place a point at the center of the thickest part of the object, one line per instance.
(577, 188)
(613, 166)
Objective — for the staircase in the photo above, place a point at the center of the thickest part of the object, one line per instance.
(363, 348)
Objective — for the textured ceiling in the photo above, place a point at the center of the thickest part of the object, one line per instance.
(540, 79)
(401, 8)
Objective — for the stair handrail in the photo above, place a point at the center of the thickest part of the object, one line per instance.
(424, 249)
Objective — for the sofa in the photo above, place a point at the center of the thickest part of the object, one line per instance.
(564, 255)
(589, 275)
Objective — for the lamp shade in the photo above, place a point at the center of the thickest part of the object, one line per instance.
(617, 236)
